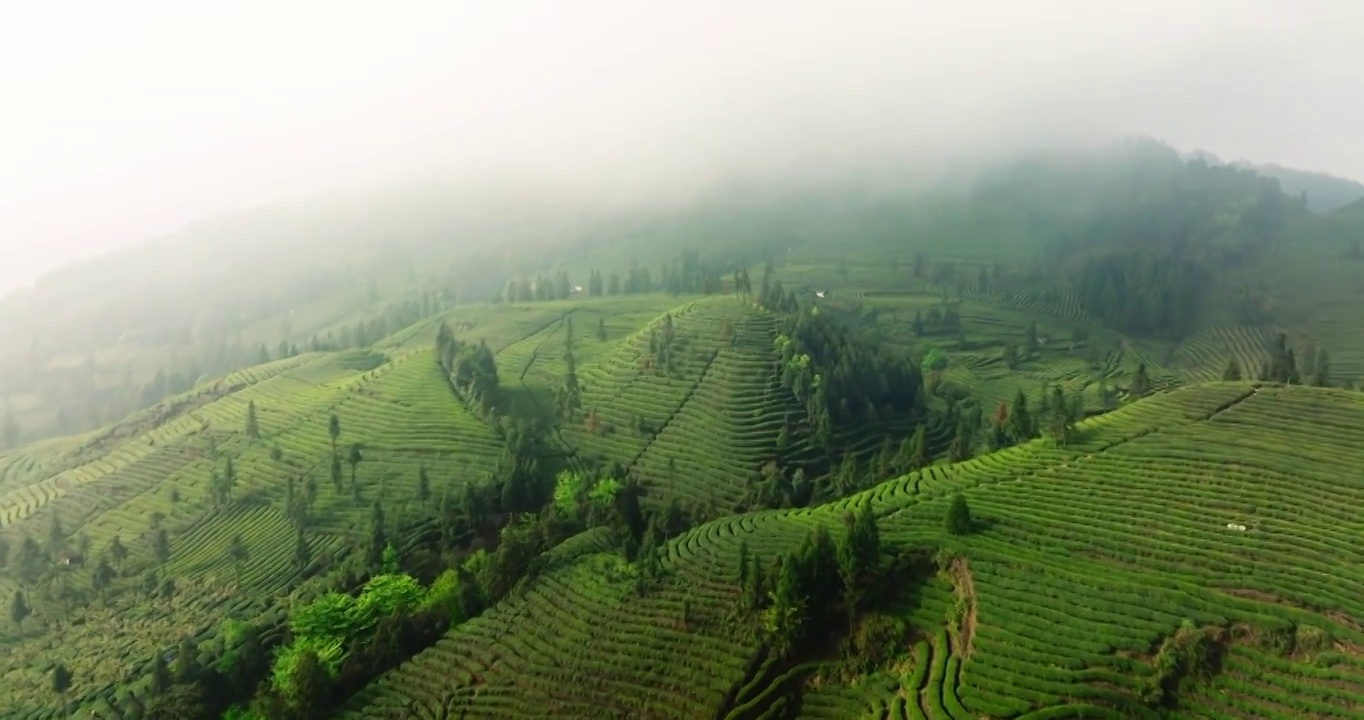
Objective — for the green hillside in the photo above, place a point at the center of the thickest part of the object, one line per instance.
(1087, 560)
(729, 475)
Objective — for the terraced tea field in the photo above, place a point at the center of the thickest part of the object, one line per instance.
(1087, 558)
(154, 471)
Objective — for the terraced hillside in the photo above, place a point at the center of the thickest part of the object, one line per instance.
(153, 474)
(1217, 511)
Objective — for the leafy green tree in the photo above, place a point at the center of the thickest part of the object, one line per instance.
(101, 577)
(161, 547)
(784, 618)
(337, 474)
(354, 458)
(30, 561)
(187, 666)
(161, 677)
(1141, 382)
(303, 553)
(61, 684)
(378, 538)
(239, 553)
(1020, 421)
(19, 609)
(1060, 420)
(1009, 355)
(958, 519)
(252, 424)
(1321, 377)
(423, 485)
(334, 430)
(915, 450)
(1232, 371)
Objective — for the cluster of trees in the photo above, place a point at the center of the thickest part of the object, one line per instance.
(841, 379)
(1143, 259)
(803, 592)
(541, 289)
(471, 368)
(1282, 365)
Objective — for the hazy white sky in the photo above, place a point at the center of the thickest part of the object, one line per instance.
(121, 121)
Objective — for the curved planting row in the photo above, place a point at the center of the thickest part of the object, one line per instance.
(627, 399)
(546, 652)
(1204, 355)
(727, 427)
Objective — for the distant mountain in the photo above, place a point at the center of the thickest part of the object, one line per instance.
(1325, 192)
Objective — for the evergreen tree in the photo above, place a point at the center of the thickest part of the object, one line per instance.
(303, 553)
(1060, 421)
(354, 458)
(334, 430)
(252, 424)
(161, 678)
(1233, 370)
(423, 485)
(601, 329)
(187, 666)
(1020, 422)
(61, 683)
(337, 473)
(100, 579)
(1009, 355)
(1030, 342)
(915, 450)
(784, 618)
(961, 447)
(161, 547)
(1141, 382)
(239, 553)
(959, 516)
(1321, 377)
(310, 686)
(378, 538)
(19, 609)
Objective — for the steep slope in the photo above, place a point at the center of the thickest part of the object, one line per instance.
(154, 474)
(1088, 557)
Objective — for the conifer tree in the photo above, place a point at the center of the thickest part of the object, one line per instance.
(959, 516)
(252, 424)
(1141, 382)
(1233, 370)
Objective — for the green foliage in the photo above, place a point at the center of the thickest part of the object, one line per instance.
(958, 519)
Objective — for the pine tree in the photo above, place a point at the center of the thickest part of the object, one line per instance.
(1233, 371)
(1141, 382)
(1321, 376)
(239, 552)
(161, 678)
(334, 430)
(959, 516)
(100, 578)
(19, 609)
(61, 683)
(187, 667)
(1030, 343)
(915, 451)
(252, 424)
(161, 547)
(378, 539)
(423, 485)
(601, 330)
(354, 458)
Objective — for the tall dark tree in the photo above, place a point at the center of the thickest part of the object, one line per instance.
(239, 553)
(958, 520)
(1321, 376)
(101, 577)
(1030, 341)
(354, 457)
(161, 547)
(161, 677)
(252, 424)
(61, 684)
(1141, 382)
(1060, 421)
(1232, 371)
(337, 473)
(334, 430)
(378, 537)
(19, 609)
(187, 666)
(423, 485)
